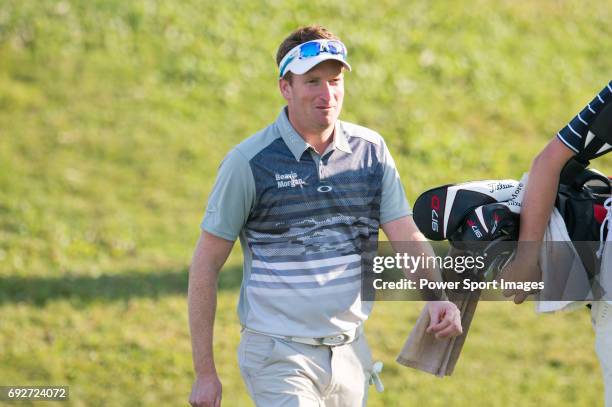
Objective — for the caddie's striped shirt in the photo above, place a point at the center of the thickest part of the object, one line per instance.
(575, 135)
(305, 223)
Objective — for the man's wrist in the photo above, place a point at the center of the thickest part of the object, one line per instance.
(429, 295)
(206, 371)
(527, 254)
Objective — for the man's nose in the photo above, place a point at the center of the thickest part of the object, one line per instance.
(327, 92)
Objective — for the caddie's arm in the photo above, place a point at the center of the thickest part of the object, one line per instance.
(535, 212)
(404, 235)
(210, 254)
(542, 189)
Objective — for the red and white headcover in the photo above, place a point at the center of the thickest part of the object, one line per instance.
(439, 212)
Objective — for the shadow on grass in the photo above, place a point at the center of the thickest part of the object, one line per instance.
(106, 287)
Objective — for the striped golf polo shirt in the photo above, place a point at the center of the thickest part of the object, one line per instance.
(575, 135)
(305, 223)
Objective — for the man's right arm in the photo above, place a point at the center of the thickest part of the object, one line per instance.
(542, 188)
(535, 213)
(210, 254)
(228, 208)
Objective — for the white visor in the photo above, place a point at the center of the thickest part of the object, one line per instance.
(294, 61)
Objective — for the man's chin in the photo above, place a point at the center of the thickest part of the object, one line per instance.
(325, 121)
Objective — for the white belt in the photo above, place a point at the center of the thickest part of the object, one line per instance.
(333, 340)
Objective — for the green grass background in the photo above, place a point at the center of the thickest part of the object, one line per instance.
(114, 116)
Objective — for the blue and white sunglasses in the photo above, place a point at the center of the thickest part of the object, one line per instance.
(311, 49)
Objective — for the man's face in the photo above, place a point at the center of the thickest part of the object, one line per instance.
(315, 98)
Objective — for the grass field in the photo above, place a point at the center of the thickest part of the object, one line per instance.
(115, 115)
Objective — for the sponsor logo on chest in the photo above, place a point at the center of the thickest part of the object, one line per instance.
(289, 180)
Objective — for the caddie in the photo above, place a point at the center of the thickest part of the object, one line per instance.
(588, 135)
(305, 195)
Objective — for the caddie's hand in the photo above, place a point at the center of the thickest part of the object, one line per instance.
(521, 269)
(206, 391)
(445, 319)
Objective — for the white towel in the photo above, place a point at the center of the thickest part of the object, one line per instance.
(556, 258)
(562, 270)
(605, 275)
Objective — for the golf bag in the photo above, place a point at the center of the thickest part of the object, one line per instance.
(478, 216)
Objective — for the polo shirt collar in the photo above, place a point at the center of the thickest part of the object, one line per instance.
(297, 145)
(340, 141)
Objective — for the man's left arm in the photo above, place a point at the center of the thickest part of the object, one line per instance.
(397, 223)
(404, 236)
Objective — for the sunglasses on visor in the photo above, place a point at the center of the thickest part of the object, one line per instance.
(312, 49)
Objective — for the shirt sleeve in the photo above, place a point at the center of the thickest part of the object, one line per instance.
(231, 198)
(574, 134)
(394, 204)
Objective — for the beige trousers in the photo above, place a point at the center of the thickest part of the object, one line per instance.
(601, 314)
(281, 373)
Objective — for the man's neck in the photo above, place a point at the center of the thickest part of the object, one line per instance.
(319, 140)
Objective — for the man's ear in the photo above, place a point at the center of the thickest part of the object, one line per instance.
(285, 88)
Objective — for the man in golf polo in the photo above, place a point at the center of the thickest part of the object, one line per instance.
(306, 196)
(594, 121)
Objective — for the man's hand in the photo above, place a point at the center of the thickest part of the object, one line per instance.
(445, 319)
(206, 391)
(523, 268)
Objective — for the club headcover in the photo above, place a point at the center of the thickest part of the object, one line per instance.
(439, 212)
(489, 231)
(486, 223)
